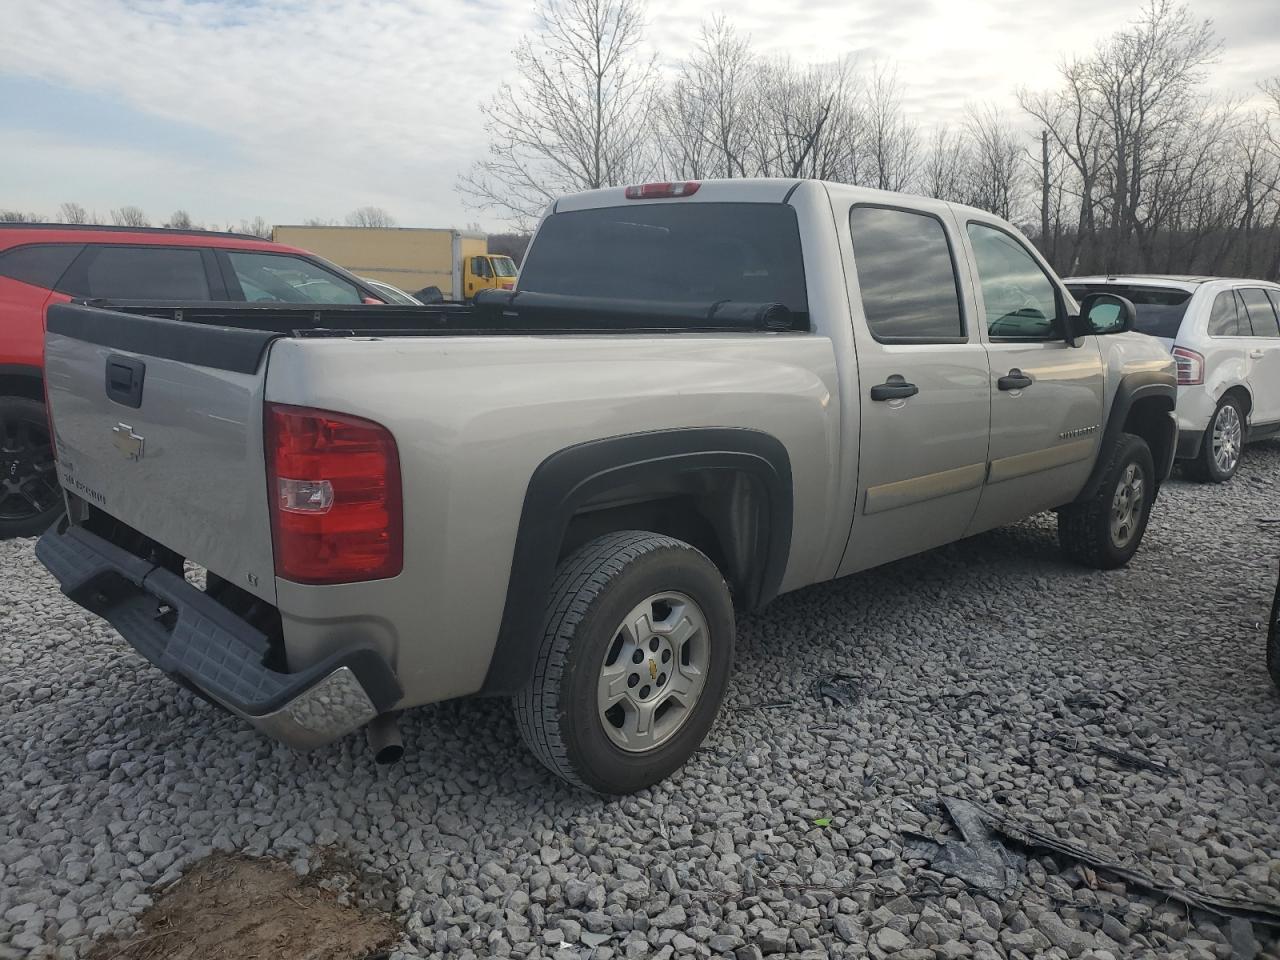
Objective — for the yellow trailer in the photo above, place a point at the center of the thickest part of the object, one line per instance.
(456, 261)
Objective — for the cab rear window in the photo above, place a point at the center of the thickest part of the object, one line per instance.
(672, 253)
(1160, 309)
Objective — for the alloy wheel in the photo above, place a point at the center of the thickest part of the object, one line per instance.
(1127, 506)
(653, 672)
(28, 480)
(1228, 432)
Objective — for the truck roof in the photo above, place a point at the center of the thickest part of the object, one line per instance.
(751, 190)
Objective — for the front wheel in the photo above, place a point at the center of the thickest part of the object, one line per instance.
(1105, 530)
(635, 655)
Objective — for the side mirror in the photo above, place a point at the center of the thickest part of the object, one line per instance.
(1104, 313)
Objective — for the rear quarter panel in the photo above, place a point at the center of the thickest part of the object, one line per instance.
(474, 417)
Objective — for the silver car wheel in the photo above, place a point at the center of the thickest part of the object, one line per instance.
(1227, 435)
(653, 672)
(1127, 506)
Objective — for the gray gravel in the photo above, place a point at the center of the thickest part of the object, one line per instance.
(989, 670)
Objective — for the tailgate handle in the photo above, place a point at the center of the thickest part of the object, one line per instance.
(124, 380)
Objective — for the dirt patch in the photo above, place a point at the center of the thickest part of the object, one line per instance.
(237, 908)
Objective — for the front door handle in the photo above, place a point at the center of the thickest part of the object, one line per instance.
(895, 388)
(1256, 354)
(1015, 379)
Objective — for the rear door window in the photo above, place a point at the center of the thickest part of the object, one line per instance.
(39, 264)
(1261, 315)
(672, 253)
(140, 273)
(1224, 320)
(280, 278)
(906, 275)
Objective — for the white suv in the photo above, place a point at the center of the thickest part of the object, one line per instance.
(1225, 336)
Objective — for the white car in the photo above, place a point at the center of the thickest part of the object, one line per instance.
(393, 293)
(1225, 336)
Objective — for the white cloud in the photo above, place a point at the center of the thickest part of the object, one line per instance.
(332, 104)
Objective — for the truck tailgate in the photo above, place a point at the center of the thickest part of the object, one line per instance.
(160, 425)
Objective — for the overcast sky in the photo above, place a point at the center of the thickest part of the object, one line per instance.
(292, 109)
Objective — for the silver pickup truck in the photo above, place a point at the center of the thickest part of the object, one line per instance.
(701, 396)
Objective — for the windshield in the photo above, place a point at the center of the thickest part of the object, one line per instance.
(1159, 309)
(672, 253)
(503, 266)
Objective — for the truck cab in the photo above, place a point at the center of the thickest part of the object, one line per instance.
(489, 271)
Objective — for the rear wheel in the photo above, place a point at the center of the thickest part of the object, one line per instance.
(1223, 443)
(30, 498)
(635, 656)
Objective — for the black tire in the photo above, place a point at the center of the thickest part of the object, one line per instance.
(1085, 529)
(595, 588)
(30, 498)
(1204, 466)
(1273, 641)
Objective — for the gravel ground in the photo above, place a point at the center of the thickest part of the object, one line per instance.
(988, 670)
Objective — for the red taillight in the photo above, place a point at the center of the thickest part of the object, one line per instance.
(334, 486)
(1190, 367)
(658, 191)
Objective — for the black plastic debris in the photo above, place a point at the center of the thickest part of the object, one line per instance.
(1031, 839)
(841, 689)
(981, 860)
(1123, 758)
(1134, 761)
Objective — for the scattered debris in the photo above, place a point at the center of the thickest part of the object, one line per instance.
(842, 689)
(1124, 758)
(980, 859)
(1030, 838)
(229, 907)
(1093, 699)
(1133, 760)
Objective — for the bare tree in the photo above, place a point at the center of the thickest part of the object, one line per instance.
(995, 163)
(130, 217)
(370, 217)
(257, 227)
(180, 220)
(944, 169)
(581, 116)
(893, 146)
(18, 216)
(72, 213)
(320, 222)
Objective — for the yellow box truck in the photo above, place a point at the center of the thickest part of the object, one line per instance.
(457, 262)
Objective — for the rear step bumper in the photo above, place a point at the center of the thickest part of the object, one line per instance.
(206, 645)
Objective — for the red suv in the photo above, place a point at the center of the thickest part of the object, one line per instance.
(45, 263)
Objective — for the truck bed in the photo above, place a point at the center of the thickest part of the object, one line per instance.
(497, 313)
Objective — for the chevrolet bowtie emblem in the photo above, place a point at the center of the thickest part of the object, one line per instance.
(126, 441)
(653, 669)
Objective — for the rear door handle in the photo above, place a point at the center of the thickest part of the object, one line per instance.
(1256, 354)
(1015, 379)
(895, 388)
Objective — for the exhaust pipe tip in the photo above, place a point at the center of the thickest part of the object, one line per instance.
(383, 733)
